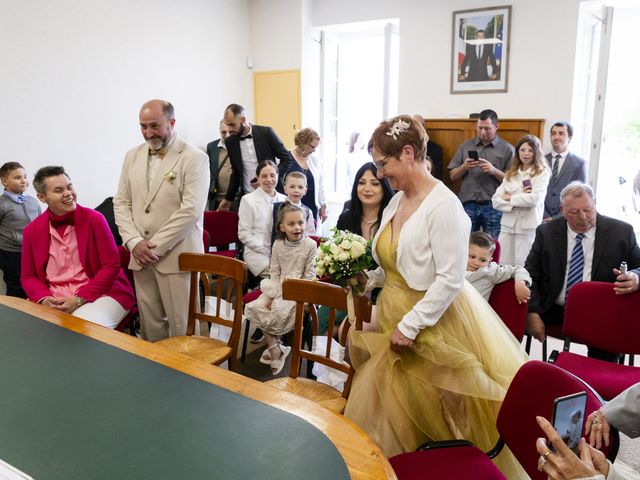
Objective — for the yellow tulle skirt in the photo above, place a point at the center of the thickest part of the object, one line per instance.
(450, 386)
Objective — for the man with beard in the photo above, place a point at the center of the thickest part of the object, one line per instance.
(158, 208)
(248, 145)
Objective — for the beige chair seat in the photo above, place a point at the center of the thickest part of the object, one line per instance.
(317, 392)
(207, 349)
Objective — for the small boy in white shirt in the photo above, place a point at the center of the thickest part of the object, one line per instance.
(295, 187)
(484, 274)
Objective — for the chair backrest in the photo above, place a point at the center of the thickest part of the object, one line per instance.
(206, 240)
(222, 227)
(311, 294)
(513, 314)
(316, 239)
(531, 393)
(596, 316)
(496, 253)
(222, 268)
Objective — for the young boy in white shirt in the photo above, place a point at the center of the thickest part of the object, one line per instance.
(484, 274)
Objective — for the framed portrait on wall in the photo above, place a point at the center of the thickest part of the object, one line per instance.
(480, 50)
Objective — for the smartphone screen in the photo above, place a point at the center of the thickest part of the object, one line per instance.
(568, 418)
(473, 154)
(526, 183)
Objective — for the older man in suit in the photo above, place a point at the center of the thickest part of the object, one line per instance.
(159, 206)
(581, 245)
(565, 167)
(249, 145)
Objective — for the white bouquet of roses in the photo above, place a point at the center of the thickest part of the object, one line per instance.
(342, 256)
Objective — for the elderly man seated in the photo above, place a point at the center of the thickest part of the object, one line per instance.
(69, 258)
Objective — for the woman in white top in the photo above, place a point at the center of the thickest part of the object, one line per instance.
(520, 198)
(255, 219)
(442, 363)
(306, 141)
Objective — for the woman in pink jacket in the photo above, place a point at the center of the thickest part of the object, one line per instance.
(69, 258)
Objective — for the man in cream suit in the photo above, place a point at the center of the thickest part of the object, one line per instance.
(565, 167)
(158, 208)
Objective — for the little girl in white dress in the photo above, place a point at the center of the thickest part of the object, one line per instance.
(292, 256)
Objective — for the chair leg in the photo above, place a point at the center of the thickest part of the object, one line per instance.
(245, 339)
(527, 347)
(544, 350)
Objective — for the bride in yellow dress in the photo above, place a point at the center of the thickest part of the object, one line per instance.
(443, 361)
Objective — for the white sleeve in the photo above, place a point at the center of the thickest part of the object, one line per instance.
(538, 192)
(245, 225)
(500, 203)
(449, 236)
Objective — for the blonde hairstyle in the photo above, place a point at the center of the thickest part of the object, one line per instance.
(286, 207)
(295, 174)
(389, 140)
(305, 136)
(538, 157)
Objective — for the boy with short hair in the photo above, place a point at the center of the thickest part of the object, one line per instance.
(295, 187)
(484, 274)
(17, 210)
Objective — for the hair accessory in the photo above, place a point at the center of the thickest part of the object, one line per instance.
(397, 128)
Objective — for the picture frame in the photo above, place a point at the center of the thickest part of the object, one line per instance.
(480, 50)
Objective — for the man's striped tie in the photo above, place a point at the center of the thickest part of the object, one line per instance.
(576, 265)
(555, 168)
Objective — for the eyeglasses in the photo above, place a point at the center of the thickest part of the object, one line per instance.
(381, 164)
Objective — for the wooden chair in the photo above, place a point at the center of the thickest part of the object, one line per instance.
(307, 293)
(211, 350)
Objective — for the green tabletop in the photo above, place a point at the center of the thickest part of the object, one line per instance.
(74, 408)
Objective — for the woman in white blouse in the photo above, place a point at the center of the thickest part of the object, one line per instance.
(443, 361)
(256, 217)
(520, 198)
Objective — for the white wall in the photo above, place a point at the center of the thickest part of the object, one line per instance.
(542, 54)
(75, 72)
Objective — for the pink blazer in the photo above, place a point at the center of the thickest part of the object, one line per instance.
(98, 255)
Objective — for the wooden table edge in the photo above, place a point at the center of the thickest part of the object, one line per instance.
(363, 457)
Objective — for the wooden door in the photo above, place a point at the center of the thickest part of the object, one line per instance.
(277, 102)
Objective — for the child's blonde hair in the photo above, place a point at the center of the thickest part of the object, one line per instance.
(295, 174)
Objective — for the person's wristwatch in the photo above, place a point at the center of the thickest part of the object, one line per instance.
(80, 301)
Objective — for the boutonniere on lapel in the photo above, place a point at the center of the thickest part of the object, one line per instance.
(170, 176)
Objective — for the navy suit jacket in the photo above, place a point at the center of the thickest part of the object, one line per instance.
(573, 168)
(615, 242)
(268, 147)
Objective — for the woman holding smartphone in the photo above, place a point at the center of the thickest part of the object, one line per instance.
(520, 198)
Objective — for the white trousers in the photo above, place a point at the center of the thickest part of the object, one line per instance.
(163, 301)
(515, 247)
(104, 311)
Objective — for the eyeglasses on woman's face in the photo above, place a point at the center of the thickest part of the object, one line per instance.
(380, 164)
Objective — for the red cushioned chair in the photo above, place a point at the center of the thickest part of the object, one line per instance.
(513, 314)
(132, 319)
(496, 252)
(596, 316)
(531, 394)
(223, 231)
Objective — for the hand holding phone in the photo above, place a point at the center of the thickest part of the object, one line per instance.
(526, 184)
(568, 418)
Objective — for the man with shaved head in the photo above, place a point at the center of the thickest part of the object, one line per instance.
(158, 208)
